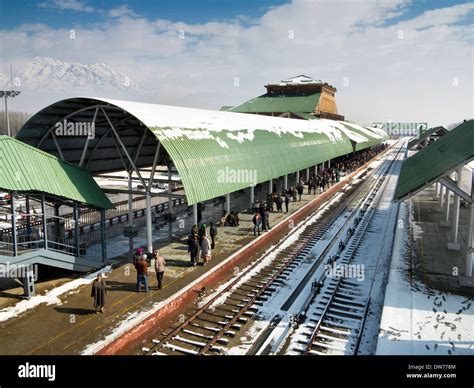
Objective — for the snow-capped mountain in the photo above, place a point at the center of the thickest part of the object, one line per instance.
(48, 74)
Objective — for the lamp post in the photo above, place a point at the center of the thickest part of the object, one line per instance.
(5, 94)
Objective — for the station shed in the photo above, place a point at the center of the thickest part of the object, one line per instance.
(215, 153)
(426, 137)
(43, 183)
(444, 162)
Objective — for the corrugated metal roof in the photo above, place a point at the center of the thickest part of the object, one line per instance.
(25, 169)
(454, 149)
(280, 103)
(205, 144)
(417, 140)
(364, 137)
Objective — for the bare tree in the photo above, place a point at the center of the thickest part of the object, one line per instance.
(17, 120)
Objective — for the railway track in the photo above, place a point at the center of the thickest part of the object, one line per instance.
(210, 328)
(339, 315)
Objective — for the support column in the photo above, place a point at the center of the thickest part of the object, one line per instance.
(29, 281)
(445, 221)
(149, 235)
(453, 244)
(285, 181)
(28, 217)
(14, 232)
(297, 176)
(44, 221)
(270, 185)
(227, 203)
(170, 203)
(195, 214)
(130, 216)
(441, 198)
(470, 241)
(329, 163)
(252, 195)
(103, 236)
(76, 229)
(307, 174)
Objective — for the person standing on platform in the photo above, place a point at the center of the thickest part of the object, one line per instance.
(99, 290)
(213, 234)
(279, 203)
(299, 189)
(142, 273)
(261, 210)
(160, 264)
(287, 201)
(257, 223)
(201, 233)
(193, 248)
(205, 249)
(267, 218)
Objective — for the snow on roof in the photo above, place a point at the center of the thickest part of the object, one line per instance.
(298, 80)
(192, 123)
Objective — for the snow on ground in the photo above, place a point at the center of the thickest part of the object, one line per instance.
(51, 297)
(273, 305)
(417, 320)
(373, 254)
(132, 320)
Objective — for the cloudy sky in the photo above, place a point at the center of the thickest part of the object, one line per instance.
(397, 60)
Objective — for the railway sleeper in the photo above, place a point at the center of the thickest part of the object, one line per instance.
(223, 341)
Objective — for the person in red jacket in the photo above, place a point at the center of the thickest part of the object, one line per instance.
(142, 273)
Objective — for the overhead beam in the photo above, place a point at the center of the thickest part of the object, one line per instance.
(138, 192)
(86, 145)
(124, 148)
(452, 186)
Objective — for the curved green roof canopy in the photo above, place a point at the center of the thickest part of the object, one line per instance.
(28, 169)
(215, 152)
(438, 159)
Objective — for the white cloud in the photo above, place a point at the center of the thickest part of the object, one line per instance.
(407, 79)
(72, 5)
(121, 11)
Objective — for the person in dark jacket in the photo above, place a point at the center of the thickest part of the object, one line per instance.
(99, 290)
(267, 218)
(270, 200)
(287, 202)
(213, 233)
(279, 203)
(257, 223)
(261, 210)
(193, 248)
(299, 189)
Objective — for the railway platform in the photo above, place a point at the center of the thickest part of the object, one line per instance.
(428, 307)
(69, 325)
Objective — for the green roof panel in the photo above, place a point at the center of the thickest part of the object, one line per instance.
(25, 169)
(436, 160)
(417, 140)
(267, 103)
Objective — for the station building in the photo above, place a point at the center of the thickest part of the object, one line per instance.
(213, 154)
